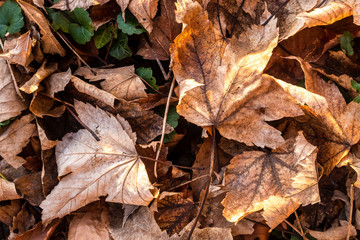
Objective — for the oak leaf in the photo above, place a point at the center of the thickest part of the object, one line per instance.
(18, 50)
(11, 104)
(257, 180)
(49, 42)
(121, 82)
(91, 169)
(14, 138)
(221, 82)
(331, 124)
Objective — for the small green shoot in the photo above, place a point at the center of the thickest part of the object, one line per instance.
(131, 25)
(147, 75)
(120, 49)
(6, 122)
(355, 85)
(347, 43)
(103, 36)
(11, 18)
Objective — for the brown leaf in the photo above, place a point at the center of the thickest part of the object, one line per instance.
(14, 138)
(331, 124)
(31, 188)
(254, 177)
(8, 191)
(40, 232)
(49, 171)
(18, 50)
(174, 212)
(22, 222)
(91, 168)
(57, 82)
(46, 144)
(49, 42)
(43, 72)
(101, 14)
(89, 225)
(70, 6)
(326, 15)
(334, 233)
(8, 212)
(164, 32)
(144, 11)
(121, 82)
(11, 104)
(42, 105)
(221, 83)
(208, 233)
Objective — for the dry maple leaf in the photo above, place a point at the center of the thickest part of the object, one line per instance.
(91, 169)
(14, 137)
(121, 82)
(49, 43)
(331, 124)
(254, 178)
(71, 5)
(11, 104)
(221, 82)
(18, 50)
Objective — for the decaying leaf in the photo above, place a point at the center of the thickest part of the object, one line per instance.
(39, 232)
(208, 233)
(31, 188)
(11, 104)
(221, 83)
(121, 82)
(71, 5)
(57, 82)
(14, 138)
(42, 105)
(7, 212)
(109, 167)
(18, 50)
(7, 190)
(144, 11)
(330, 124)
(334, 233)
(49, 42)
(254, 178)
(44, 71)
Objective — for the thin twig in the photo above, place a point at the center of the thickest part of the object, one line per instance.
(187, 182)
(273, 14)
(351, 211)
(13, 76)
(293, 227)
(203, 200)
(164, 124)
(322, 2)
(166, 76)
(82, 124)
(74, 51)
(300, 227)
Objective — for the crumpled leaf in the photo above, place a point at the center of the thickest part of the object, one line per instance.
(121, 82)
(221, 82)
(42, 105)
(90, 169)
(328, 116)
(44, 71)
(49, 43)
(10, 102)
(254, 178)
(18, 50)
(7, 190)
(14, 138)
(85, 4)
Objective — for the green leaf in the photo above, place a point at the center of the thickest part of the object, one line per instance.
(81, 31)
(6, 122)
(355, 85)
(146, 74)
(59, 21)
(346, 43)
(103, 36)
(357, 99)
(11, 18)
(172, 117)
(131, 25)
(120, 48)
(168, 137)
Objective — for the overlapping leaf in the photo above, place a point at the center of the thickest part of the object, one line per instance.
(221, 82)
(91, 169)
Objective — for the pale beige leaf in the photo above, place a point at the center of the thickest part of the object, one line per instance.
(123, 5)
(7, 190)
(356, 12)
(46, 144)
(121, 82)
(10, 102)
(44, 71)
(49, 42)
(334, 233)
(18, 50)
(57, 82)
(253, 177)
(207, 233)
(14, 138)
(93, 91)
(249, 6)
(88, 226)
(144, 11)
(326, 15)
(66, 5)
(91, 169)
(140, 225)
(221, 82)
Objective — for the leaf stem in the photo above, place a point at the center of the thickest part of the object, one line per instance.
(273, 14)
(351, 211)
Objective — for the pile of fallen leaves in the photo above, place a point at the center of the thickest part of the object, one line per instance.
(147, 119)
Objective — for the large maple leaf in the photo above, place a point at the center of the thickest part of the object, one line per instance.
(221, 82)
(109, 167)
